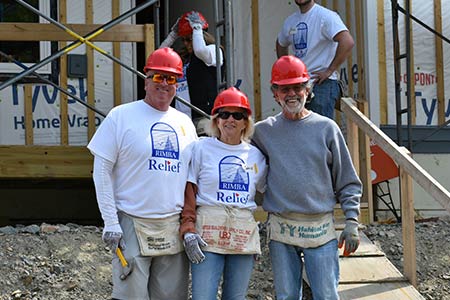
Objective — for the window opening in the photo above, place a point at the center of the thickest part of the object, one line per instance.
(27, 52)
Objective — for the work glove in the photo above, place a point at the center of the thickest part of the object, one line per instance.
(171, 37)
(195, 21)
(113, 240)
(350, 237)
(192, 243)
(174, 27)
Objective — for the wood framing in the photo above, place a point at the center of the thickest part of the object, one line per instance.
(408, 225)
(49, 32)
(90, 73)
(63, 78)
(256, 61)
(45, 162)
(62, 161)
(411, 67)
(439, 66)
(382, 73)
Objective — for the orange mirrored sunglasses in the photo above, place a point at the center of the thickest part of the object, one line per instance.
(159, 78)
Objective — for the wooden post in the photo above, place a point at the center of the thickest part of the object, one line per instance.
(63, 105)
(365, 164)
(382, 64)
(90, 73)
(439, 65)
(148, 40)
(411, 68)
(408, 225)
(353, 142)
(256, 61)
(348, 19)
(116, 53)
(28, 113)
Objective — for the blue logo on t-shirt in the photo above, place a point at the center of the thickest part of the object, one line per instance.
(300, 40)
(232, 174)
(164, 141)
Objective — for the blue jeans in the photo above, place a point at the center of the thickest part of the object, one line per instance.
(236, 270)
(321, 265)
(325, 95)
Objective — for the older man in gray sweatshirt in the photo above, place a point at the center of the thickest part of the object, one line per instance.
(310, 170)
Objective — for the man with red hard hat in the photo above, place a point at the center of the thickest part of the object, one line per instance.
(319, 37)
(310, 170)
(141, 156)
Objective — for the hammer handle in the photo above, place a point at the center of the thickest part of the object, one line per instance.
(122, 259)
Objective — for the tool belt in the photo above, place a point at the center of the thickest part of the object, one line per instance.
(158, 237)
(306, 231)
(228, 230)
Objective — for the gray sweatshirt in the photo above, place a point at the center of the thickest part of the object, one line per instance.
(310, 169)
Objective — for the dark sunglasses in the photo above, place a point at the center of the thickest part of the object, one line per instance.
(236, 115)
(159, 78)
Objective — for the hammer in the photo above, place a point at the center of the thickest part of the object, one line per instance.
(126, 267)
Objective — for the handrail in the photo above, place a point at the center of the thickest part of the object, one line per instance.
(409, 168)
(419, 174)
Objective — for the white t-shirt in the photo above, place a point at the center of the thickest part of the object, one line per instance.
(183, 92)
(227, 174)
(311, 36)
(150, 150)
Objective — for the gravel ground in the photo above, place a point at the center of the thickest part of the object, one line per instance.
(69, 261)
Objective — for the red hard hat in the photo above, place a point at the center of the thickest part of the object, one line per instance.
(166, 60)
(289, 69)
(184, 28)
(231, 97)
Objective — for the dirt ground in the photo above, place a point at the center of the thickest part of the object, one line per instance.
(69, 261)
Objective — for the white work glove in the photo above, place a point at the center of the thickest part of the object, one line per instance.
(113, 240)
(192, 243)
(350, 237)
(171, 37)
(195, 21)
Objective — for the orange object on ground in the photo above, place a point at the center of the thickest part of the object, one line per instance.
(383, 167)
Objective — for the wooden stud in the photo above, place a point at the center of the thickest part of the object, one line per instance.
(117, 75)
(348, 17)
(365, 164)
(408, 224)
(63, 105)
(256, 61)
(353, 143)
(90, 73)
(149, 39)
(412, 69)
(382, 73)
(439, 65)
(360, 51)
(28, 112)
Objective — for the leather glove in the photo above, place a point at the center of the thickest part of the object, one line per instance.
(114, 240)
(195, 21)
(192, 243)
(350, 237)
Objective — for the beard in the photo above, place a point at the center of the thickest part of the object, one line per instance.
(294, 109)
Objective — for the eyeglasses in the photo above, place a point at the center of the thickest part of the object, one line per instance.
(236, 115)
(159, 78)
(187, 39)
(297, 88)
